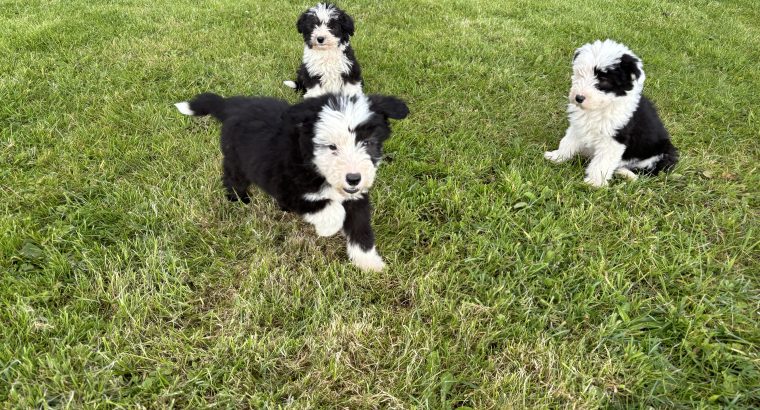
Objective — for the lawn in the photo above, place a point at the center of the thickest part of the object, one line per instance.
(127, 279)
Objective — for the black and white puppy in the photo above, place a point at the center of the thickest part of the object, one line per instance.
(329, 65)
(317, 158)
(611, 122)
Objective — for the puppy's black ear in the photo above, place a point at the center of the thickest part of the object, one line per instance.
(301, 117)
(629, 65)
(390, 107)
(346, 23)
(576, 54)
(301, 23)
(305, 111)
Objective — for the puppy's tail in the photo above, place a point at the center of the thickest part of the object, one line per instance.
(204, 104)
(667, 162)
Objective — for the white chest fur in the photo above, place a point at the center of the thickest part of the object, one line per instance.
(598, 128)
(329, 65)
(329, 220)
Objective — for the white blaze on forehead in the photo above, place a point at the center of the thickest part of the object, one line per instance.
(601, 54)
(343, 114)
(323, 12)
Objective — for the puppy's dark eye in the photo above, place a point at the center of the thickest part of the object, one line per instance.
(333, 147)
(604, 85)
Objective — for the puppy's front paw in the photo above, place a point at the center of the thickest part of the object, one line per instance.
(290, 84)
(329, 220)
(595, 181)
(366, 261)
(554, 156)
(373, 264)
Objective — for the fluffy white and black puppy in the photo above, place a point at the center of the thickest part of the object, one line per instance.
(317, 158)
(611, 122)
(329, 64)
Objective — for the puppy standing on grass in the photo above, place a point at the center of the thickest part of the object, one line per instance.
(610, 120)
(317, 158)
(329, 64)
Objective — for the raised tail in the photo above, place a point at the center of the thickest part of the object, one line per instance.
(666, 163)
(204, 104)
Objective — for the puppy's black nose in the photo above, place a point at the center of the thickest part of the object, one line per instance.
(320, 40)
(353, 179)
(579, 98)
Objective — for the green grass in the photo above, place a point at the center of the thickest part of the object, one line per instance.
(126, 278)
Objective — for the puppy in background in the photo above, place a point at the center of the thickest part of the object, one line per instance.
(611, 122)
(329, 65)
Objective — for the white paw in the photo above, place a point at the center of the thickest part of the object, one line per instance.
(291, 84)
(184, 108)
(595, 181)
(315, 91)
(329, 220)
(352, 89)
(366, 261)
(554, 156)
(626, 173)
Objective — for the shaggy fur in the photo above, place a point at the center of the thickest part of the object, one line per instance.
(610, 120)
(317, 158)
(329, 64)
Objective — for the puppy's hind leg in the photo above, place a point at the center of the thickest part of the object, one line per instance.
(352, 89)
(315, 91)
(235, 183)
(626, 173)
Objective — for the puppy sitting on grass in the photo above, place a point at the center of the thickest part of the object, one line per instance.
(317, 158)
(610, 120)
(329, 64)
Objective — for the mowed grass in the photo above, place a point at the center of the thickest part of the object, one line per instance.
(127, 279)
